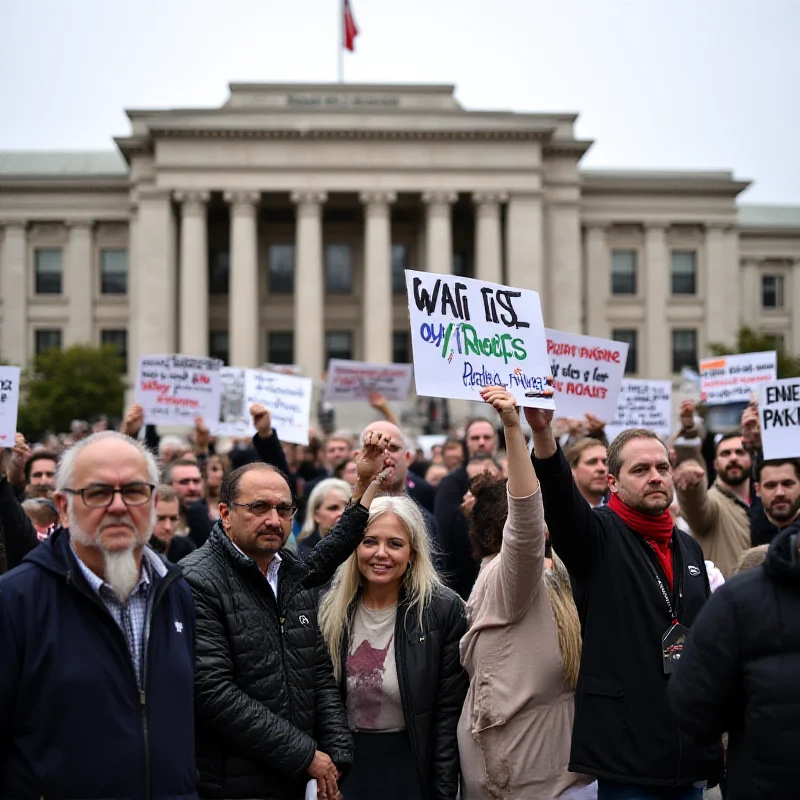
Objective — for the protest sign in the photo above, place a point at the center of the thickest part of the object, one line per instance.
(466, 334)
(357, 380)
(9, 404)
(287, 397)
(587, 373)
(175, 389)
(731, 379)
(643, 404)
(779, 409)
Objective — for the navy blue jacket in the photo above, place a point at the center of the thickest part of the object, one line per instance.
(73, 723)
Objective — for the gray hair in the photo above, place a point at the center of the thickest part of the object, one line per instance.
(172, 441)
(66, 464)
(317, 498)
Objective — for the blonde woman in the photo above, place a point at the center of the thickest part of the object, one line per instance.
(393, 630)
(522, 648)
(326, 504)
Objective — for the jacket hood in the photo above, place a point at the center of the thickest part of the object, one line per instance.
(783, 559)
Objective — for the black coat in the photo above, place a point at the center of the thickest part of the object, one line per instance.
(17, 534)
(265, 695)
(739, 673)
(198, 522)
(460, 568)
(433, 686)
(624, 728)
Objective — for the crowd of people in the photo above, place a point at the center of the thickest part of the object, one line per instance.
(529, 611)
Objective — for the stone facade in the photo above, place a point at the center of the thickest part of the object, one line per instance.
(276, 228)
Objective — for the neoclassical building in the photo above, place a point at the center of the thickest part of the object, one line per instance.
(277, 228)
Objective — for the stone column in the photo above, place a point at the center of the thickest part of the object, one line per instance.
(14, 294)
(563, 308)
(439, 231)
(244, 323)
(657, 291)
(524, 243)
(488, 236)
(733, 295)
(133, 301)
(715, 291)
(309, 284)
(377, 327)
(795, 295)
(78, 284)
(156, 279)
(751, 293)
(598, 279)
(193, 305)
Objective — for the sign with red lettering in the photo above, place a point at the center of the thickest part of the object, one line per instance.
(357, 380)
(175, 390)
(587, 374)
(733, 379)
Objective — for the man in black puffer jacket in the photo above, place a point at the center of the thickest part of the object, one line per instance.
(739, 672)
(268, 713)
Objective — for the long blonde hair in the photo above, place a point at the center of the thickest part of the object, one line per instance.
(567, 623)
(317, 498)
(420, 581)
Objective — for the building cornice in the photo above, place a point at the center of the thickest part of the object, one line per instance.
(677, 183)
(72, 183)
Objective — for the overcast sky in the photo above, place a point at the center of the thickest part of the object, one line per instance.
(670, 84)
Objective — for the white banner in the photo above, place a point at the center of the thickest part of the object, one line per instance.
(587, 374)
(643, 404)
(732, 379)
(9, 404)
(175, 389)
(779, 409)
(357, 380)
(466, 334)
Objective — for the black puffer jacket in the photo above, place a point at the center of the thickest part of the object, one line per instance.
(433, 687)
(265, 695)
(739, 673)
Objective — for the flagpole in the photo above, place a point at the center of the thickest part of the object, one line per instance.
(341, 41)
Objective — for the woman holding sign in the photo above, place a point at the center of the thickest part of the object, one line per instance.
(522, 648)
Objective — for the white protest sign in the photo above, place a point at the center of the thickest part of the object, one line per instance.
(643, 404)
(779, 409)
(175, 389)
(287, 397)
(467, 334)
(732, 379)
(9, 404)
(587, 374)
(357, 380)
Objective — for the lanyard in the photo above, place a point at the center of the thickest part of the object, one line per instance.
(664, 592)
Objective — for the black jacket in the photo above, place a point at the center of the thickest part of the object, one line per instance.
(265, 695)
(624, 728)
(271, 452)
(739, 673)
(17, 534)
(433, 686)
(424, 493)
(460, 568)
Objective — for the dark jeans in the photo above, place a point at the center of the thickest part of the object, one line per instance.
(610, 790)
(383, 768)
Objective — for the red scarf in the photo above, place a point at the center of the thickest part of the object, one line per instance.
(656, 531)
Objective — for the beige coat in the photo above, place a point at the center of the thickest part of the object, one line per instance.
(515, 728)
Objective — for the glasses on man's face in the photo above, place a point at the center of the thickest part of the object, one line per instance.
(101, 495)
(261, 509)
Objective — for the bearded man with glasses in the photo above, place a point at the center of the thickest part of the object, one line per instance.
(269, 715)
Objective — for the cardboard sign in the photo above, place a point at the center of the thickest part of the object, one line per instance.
(174, 390)
(779, 410)
(357, 380)
(9, 404)
(587, 374)
(643, 404)
(466, 334)
(731, 379)
(287, 397)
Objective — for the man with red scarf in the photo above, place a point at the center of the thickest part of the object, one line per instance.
(639, 583)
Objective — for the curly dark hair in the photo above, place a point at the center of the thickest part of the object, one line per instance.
(488, 515)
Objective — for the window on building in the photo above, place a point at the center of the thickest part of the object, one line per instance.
(461, 264)
(684, 349)
(684, 272)
(113, 271)
(47, 338)
(623, 272)
(772, 291)
(281, 269)
(49, 270)
(218, 345)
(119, 339)
(399, 266)
(338, 269)
(631, 337)
(219, 270)
(401, 347)
(280, 347)
(338, 344)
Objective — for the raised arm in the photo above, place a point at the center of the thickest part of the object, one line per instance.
(268, 445)
(700, 508)
(16, 529)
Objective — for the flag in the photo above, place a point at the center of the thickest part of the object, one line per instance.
(350, 29)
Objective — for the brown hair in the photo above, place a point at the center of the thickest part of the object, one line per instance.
(38, 455)
(576, 451)
(614, 451)
(488, 515)
(166, 494)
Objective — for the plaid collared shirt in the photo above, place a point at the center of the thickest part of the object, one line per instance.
(131, 616)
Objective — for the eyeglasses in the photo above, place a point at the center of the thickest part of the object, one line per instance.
(101, 495)
(261, 509)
